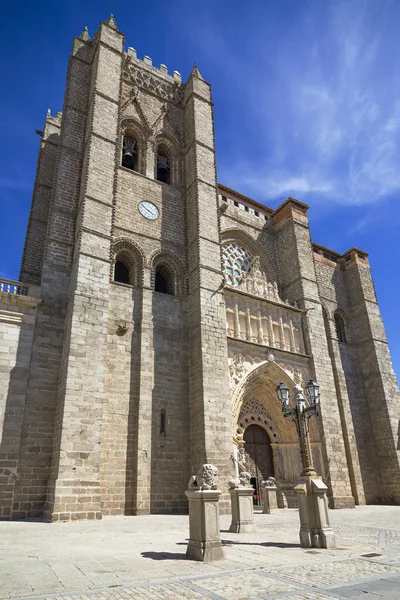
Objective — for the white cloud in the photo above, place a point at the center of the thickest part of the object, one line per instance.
(330, 110)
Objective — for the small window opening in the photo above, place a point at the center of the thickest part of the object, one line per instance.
(121, 272)
(129, 153)
(163, 166)
(236, 203)
(266, 217)
(256, 213)
(161, 283)
(163, 421)
(340, 326)
(246, 208)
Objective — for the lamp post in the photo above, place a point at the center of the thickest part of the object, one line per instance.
(315, 530)
(301, 414)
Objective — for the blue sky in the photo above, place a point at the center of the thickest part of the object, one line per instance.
(307, 103)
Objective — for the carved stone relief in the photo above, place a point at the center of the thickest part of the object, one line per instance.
(259, 322)
(168, 90)
(239, 366)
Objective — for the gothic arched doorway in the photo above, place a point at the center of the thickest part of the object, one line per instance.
(258, 457)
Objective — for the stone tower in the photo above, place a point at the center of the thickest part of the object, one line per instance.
(128, 372)
(157, 311)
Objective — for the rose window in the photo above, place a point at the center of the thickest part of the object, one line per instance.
(237, 263)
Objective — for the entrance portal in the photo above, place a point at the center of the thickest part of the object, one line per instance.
(258, 458)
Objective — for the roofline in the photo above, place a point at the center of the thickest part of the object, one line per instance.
(354, 249)
(228, 190)
(334, 253)
(290, 199)
(325, 249)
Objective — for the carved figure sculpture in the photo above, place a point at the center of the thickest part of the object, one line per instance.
(244, 479)
(207, 477)
(270, 482)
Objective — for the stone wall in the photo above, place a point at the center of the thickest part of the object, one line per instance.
(17, 324)
(130, 390)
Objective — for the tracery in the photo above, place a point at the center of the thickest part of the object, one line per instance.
(237, 263)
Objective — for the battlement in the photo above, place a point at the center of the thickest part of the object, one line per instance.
(147, 62)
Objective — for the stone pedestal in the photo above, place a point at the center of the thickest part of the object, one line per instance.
(315, 529)
(242, 510)
(204, 536)
(270, 499)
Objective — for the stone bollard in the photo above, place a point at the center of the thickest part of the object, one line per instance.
(242, 504)
(315, 529)
(204, 535)
(270, 497)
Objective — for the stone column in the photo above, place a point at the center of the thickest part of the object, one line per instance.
(242, 510)
(270, 497)
(378, 379)
(299, 283)
(61, 181)
(75, 481)
(209, 392)
(204, 530)
(141, 501)
(315, 530)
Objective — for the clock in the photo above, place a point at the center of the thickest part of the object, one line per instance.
(149, 210)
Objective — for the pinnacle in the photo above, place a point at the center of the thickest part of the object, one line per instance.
(111, 22)
(85, 35)
(196, 73)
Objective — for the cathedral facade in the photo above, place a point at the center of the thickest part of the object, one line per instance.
(157, 311)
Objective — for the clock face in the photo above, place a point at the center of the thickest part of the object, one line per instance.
(148, 210)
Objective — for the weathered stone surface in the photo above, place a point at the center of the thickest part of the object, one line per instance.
(113, 392)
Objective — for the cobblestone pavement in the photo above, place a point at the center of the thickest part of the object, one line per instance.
(143, 558)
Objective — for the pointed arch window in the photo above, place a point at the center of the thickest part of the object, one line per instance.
(237, 263)
(341, 329)
(163, 164)
(130, 153)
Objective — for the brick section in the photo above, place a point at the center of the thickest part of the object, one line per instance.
(114, 394)
(119, 427)
(35, 241)
(17, 324)
(74, 490)
(378, 378)
(299, 282)
(36, 446)
(210, 406)
(356, 422)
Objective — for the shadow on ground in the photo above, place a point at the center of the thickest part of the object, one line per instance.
(164, 555)
(264, 544)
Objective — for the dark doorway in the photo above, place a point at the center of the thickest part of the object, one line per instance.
(258, 458)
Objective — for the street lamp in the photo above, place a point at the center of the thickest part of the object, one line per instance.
(301, 414)
(315, 530)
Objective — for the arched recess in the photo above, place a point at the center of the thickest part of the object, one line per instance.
(130, 254)
(254, 402)
(168, 265)
(166, 145)
(342, 328)
(253, 248)
(131, 129)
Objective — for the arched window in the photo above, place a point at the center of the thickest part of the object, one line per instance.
(121, 272)
(163, 164)
(130, 153)
(341, 330)
(163, 281)
(237, 263)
